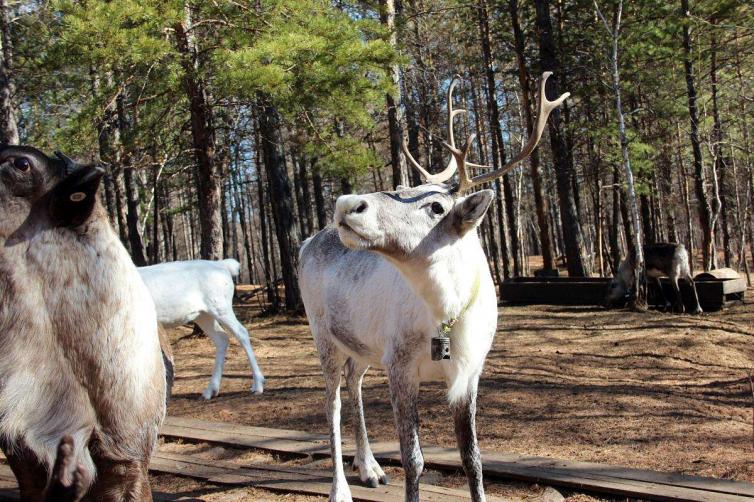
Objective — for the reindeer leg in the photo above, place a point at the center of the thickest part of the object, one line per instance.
(332, 361)
(370, 471)
(120, 481)
(404, 392)
(678, 296)
(67, 482)
(230, 323)
(698, 308)
(213, 330)
(668, 305)
(464, 416)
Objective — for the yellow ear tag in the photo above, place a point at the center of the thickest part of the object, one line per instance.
(77, 196)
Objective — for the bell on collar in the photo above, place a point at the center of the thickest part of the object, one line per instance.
(440, 347)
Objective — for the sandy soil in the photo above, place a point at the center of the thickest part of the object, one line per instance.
(659, 391)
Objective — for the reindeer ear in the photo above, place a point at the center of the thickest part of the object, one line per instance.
(69, 165)
(72, 200)
(470, 211)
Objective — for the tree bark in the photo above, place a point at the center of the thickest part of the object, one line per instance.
(270, 286)
(506, 221)
(319, 196)
(639, 298)
(136, 243)
(705, 209)
(540, 201)
(394, 111)
(717, 137)
(280, 199)
(8, 120)
(572, 235)
(208, 172)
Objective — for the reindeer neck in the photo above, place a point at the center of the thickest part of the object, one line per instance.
(449, 283)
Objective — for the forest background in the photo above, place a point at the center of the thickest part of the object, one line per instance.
(228, 127)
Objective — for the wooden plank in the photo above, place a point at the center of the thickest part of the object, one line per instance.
(268, 442)
(583, 476)
(290, 479)
(274, 478)
(554, 292)
(731, 286)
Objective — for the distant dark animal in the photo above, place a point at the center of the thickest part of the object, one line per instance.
(82, 380)
(660, 260)
(547, 272)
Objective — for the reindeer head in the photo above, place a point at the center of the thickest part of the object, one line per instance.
(412, 223)
(39, 190)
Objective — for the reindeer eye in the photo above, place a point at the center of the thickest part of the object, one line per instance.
(437, 208)
(21, 163)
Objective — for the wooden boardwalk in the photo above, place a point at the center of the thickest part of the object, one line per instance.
(582, 476)
(276, 478)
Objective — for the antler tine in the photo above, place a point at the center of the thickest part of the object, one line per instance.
(452, 166)
(458, 157)
(545, 107)
(452, 113)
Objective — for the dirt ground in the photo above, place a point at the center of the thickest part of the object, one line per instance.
(658, 391)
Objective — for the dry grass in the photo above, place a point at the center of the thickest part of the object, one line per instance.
(657, 391)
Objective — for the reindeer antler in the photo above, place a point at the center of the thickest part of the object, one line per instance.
(458, 156)
(452, 166)
(545, 107)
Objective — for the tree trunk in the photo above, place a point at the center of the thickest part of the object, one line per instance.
(270, 286)
(319, 196)
(509, 242)
(615, 252)
(572, 236)
(132, 217)
(8, 121)
(719, 162)
(136, 243)
(394, 111)
(639, 298)
(280, 199)
(306, 197)
(540, 201)
(208, 173)
(705, 209)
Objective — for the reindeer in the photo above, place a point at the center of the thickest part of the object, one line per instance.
(385, 284)
(82, 381)
(660, 260)
(201, 291)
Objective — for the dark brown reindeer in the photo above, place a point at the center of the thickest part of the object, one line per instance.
(82, 382)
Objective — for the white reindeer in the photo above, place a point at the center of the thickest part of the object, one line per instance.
(201, 291)
(378, 285)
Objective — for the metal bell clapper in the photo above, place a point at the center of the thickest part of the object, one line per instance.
(441, 344)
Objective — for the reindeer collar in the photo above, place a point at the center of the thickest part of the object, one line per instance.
(441, 343)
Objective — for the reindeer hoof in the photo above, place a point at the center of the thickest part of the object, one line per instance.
(209, 393)
(67, 482)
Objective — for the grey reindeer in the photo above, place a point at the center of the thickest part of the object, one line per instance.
(82, 380)
(665, 259)
(378, 285)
